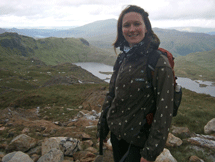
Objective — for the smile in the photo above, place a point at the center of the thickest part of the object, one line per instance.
(133, 35)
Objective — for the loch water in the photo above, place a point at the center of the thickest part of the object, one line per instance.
(193, 85)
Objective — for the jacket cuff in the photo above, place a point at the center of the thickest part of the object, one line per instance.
(147, 155)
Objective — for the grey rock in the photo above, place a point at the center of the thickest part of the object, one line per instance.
(67, 145)
(210, 127)
(35, 150)
(21, 143)
(70, 146)
(173, 141)
(165, 156)
(17, 156)
(202, 142)
(54, 155)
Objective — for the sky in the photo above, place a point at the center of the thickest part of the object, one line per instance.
(73, 13)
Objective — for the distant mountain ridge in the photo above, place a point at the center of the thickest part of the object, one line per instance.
(2, 31)
(210, 31)
(52, 50)
(103, 33)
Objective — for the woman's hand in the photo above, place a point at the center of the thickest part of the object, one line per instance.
(144, 160)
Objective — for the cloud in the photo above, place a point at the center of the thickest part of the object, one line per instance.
(15, 13)
(185, 9)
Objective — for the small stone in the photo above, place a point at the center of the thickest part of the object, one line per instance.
(195, 159)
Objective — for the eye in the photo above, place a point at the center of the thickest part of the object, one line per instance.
(137, 24)
(126, 25)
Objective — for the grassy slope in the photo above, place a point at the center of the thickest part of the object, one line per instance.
(198, 65)
(194, 112)
(28, 82)
(52, 50)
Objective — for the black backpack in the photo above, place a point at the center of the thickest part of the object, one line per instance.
(152, 62)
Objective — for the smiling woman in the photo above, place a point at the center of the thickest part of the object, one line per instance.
(133, 28)
(137, 113)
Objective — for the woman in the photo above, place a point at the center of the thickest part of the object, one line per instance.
(133, 99)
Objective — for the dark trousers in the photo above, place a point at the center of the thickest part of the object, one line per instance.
(120, 147)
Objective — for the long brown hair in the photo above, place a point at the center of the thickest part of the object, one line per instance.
(120, 38)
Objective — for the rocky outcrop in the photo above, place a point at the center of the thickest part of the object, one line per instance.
(210, 127)
(80, 147)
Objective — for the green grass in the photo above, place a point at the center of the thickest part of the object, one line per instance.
(198, 66)
(53, 51)
(183, 153)
(195, 111)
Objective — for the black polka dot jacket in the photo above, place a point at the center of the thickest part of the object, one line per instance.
(132, 96)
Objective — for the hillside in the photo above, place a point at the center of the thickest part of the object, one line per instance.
(52, 50)
(199, 65)
(103, 33)
(183, 43)
(26, 81)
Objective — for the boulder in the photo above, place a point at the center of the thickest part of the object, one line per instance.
(67, 145)
(17, 156)
(173, 141)
(49, 143)
(70, 146)
(210, 127)
(183, 132)
(165, 156)
(54, 155)
(21, 143)
(203, 141)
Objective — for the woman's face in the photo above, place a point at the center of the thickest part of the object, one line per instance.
(133, 28)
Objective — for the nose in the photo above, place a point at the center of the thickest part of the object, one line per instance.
(132, 28)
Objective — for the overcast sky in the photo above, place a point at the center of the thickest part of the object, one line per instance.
(56, 13)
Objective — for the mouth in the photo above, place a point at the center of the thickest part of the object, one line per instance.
(133, 35)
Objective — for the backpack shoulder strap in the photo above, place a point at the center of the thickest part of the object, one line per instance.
(151, 63)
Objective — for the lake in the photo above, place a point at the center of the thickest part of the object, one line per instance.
(193, 85)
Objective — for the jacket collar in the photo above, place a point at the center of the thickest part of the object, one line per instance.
(154, 44)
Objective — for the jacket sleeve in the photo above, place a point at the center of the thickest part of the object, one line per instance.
(163, 84)
(109, 96)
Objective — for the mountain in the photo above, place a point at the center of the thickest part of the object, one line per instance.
(103, 33)
(52, 50)
(196, 30)
(2, 30)
(35, 33)
(97, 28)
(183, 43)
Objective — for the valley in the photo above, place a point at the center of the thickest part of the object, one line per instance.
(43, 94)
